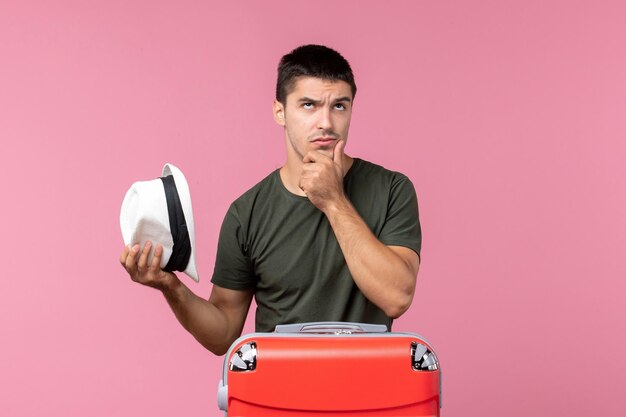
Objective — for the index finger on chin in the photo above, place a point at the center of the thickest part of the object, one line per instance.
(309, 157)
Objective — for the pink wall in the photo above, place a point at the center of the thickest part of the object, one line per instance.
(508, 116)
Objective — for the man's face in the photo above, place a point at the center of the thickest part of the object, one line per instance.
(316, 116)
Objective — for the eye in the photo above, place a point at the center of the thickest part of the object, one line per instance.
(307, 106)
(340, 106)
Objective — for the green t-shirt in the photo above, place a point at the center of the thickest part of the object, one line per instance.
(281, 246)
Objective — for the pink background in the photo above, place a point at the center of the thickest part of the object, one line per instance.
(508, 116)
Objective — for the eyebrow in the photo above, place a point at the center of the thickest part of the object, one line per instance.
(343, 99)
(339, 100)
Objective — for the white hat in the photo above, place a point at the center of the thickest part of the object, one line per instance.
(160, 211)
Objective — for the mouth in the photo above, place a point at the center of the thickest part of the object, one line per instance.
(324, 141)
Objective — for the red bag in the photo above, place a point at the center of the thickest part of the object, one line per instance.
(338, 369)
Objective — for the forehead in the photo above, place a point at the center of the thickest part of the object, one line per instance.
(319, 88)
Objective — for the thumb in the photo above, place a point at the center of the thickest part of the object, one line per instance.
(338, 152)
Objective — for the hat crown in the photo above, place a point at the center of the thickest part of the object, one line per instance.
(144, 216)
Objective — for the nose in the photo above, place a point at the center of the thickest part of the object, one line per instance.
(324, 122)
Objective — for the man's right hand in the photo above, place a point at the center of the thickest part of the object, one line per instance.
(136, 264)
(216, 323)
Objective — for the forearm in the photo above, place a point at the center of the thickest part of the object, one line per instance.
(383, 276)
(215, 323)
(208, 324)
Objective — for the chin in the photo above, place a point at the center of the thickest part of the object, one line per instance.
(327, 152)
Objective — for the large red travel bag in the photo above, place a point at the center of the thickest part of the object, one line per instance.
(330, 369)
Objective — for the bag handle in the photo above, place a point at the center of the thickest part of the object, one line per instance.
(328, 327)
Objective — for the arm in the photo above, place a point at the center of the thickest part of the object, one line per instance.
(215, 323)
(385, 274)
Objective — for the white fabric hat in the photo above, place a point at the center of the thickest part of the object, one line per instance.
(149, 213)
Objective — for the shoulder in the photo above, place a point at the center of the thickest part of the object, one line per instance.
(260, 193)
(366, 172)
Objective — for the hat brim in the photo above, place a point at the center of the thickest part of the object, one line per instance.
(185, 199)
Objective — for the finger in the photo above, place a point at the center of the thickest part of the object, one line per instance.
(338, 152)
(130, 259)
(308, 175)
(156, 259)
(309, 157)
(143, 259)
(124, 255)
(315, 156)
(308, 168)
(302, 184)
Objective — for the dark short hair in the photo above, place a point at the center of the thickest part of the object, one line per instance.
(312, 61)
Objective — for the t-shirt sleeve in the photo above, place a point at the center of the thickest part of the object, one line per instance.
(233, 268)
(402, 225)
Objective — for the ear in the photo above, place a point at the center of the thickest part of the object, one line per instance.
(279, 112)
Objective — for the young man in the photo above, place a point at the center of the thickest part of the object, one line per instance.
(326, 237)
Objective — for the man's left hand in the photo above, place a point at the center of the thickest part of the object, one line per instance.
(322, 177)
